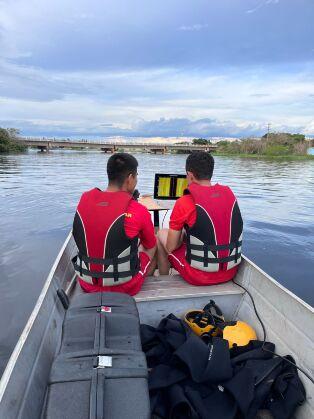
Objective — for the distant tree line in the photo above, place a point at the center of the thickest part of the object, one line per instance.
(200, 141)
(272, 144)
(10, 142)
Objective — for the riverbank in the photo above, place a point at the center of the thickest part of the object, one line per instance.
(265, 156)
(269, 146)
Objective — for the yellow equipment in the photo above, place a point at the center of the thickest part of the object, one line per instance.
(210, 322)
(199, 326)
(204, 321)
(239, 334)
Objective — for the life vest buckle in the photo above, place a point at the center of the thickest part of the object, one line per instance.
(103, 361)
(103, 309)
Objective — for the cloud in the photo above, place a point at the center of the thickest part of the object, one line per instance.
(202, 127)
(127, 67)
(159, 102)
(260, 94)
(261, 4)
(195, 27)
(174, 127)
(309, 129)
(163, 128)
(120, 34)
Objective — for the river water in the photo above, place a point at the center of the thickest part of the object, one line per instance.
(39, 193)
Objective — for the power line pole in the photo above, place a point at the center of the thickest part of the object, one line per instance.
(268, 130)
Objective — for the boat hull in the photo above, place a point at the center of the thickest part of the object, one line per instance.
(23, 384)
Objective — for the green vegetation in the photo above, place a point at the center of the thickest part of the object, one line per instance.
(274, 145)
(264, 157)
(200, 141)
(9, 141)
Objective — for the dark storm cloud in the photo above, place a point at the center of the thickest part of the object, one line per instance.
(175, 127)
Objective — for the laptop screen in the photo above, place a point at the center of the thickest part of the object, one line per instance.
(169, 186)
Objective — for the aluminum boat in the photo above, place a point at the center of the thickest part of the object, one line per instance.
(288, 321)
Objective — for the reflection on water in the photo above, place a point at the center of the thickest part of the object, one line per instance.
(39, 192)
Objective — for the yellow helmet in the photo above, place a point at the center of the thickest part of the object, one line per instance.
(238, 334)
(197, 322)
(204, 321)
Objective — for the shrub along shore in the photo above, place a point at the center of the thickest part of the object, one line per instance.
(264, 156)
(270, 146)
(9, 141)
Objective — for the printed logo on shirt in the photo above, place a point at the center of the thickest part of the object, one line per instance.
(128, 215)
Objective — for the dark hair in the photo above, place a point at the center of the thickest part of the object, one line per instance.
(201, 164)
(120, 166)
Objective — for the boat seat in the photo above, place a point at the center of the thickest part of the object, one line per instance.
(100, 370)
(167, 287)
(166, 294)
(100, 321)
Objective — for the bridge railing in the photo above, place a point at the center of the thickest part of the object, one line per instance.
(31, 141)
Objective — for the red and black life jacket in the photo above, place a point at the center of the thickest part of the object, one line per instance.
(106, 256)
(214, 241)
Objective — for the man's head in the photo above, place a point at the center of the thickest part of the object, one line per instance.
(199, 166)
(122, 171)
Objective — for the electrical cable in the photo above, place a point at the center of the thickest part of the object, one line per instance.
(265, 335)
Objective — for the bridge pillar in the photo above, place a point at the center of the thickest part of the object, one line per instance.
(108, 149)
(43, 148)
(161, 150)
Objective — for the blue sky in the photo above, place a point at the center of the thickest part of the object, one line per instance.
(145, 68)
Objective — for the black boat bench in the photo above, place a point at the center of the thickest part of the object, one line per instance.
(100, 371)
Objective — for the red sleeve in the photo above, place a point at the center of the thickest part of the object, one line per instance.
(183, 212)
(138, 222)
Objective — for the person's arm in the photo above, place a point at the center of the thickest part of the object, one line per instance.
(180, 215)
(138, 223)
(147, 233)
(174, 240)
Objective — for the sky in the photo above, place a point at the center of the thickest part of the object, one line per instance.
(149, 68)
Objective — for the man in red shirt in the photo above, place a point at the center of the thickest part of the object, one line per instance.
(114, 233)
(204, 239)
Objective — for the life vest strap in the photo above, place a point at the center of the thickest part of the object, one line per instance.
(215, 248)
(97, 275)
(206, 260)
(116, 274)
(105, 262)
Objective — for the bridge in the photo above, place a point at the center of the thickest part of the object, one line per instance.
(107, 147)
